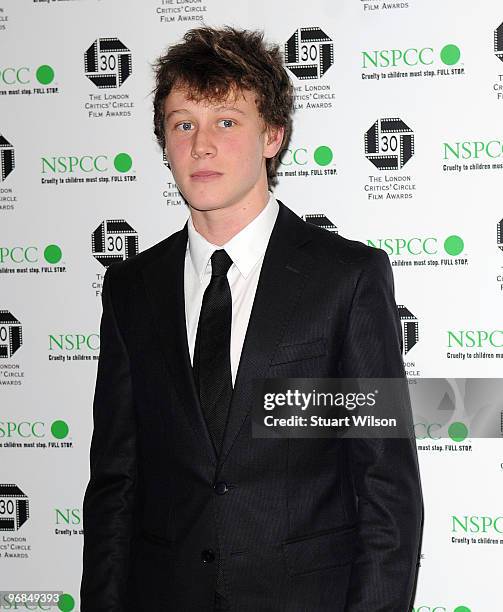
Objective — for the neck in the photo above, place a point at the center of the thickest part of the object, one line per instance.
(219, 225)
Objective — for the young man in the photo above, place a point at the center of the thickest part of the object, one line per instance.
(185, 510)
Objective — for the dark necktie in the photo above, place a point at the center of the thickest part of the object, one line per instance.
(212, 361)
(212, 366)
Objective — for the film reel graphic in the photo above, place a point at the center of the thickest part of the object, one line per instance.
(321, 220)
(108, 63)
(389, 144)
(11, 334)
(309, 53)
(7, 160)
(15, 507)
(410, 328)
(498, 42)
(499, 234)
(114, 240)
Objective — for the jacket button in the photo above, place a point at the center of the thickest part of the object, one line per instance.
(207, 555)
(221, 488)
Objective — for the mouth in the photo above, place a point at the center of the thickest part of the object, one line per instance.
(205, 175)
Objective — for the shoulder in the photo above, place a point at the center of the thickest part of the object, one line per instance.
(129, 269)
(332, 249)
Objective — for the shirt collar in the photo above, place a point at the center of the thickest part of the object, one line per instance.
(245, 248)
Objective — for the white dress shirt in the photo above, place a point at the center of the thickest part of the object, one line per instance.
(246, 249)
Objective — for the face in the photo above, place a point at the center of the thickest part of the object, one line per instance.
(218, 150)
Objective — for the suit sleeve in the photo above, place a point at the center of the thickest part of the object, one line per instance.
(110, 495)
(384, 471)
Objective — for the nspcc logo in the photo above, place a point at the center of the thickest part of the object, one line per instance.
(75, 347)
(14, 507)
(33, 429)
(389, 144)
(107, 63)
(439, 608)
(303, 156)
(69, 164)
(320, 220)
(25, 255)
(474, 149)
(7, 162)
(498, 42)
(418, 245)
(477, 524)
(475, 338)
(23, 75)
(114, 240)
(11, 334)
(74, 342)
(411, 57)
(410, 328)
(309, 53)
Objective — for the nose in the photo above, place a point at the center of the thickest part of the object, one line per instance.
(202, 144)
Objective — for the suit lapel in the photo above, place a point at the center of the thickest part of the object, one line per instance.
(281, 282)
(282, 278)
(164, 280)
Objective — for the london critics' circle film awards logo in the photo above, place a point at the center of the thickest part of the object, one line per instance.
(114, 240)
(498, 42)
(108, 63)
(7, 161)
(499, 232)
(11, 334)
(410, 328)
(15, 506)
(389, 143)
(309, 53)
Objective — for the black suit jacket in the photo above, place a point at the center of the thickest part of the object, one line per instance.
(308, 525)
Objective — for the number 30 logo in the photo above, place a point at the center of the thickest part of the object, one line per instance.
(389, 143)
(107, 63)
(309, 53)
(114, 240)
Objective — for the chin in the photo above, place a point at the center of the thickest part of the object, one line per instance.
(207, 201)
(200, 202)
(201, 206)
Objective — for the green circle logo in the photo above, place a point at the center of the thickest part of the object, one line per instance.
(45, 75)
(462, 609)
(52, 253)
(458, 431)
(323, 156)
(123, 162)
(59, 430)
(66, 602)
(454, 245)
(450, 55)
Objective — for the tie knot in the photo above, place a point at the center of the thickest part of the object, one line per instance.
(220, 263)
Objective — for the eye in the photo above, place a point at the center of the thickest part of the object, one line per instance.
(184, 126)
(226, 123)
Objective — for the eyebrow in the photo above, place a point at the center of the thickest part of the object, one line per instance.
(178, 110)
(229, 108)
(218, 109)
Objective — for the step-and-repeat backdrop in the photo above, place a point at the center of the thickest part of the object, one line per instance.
(398, 142)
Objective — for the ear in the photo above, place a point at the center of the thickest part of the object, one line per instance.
(273, 141)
